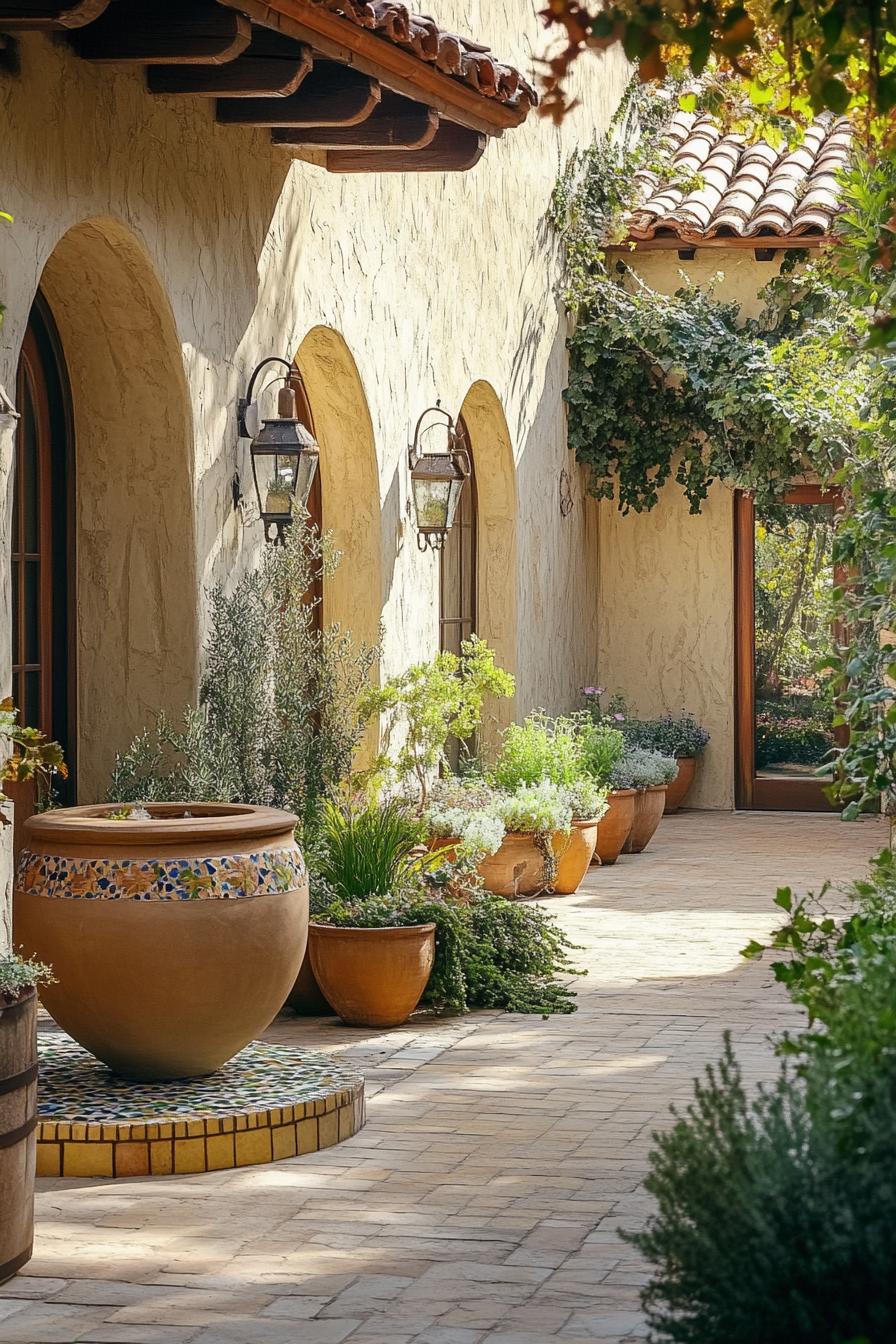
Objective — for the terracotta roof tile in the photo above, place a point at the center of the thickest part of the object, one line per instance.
(745, 190)
(459, 57)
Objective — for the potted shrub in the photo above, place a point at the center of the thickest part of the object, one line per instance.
(534, 817)
(575, 851)
(18, 1108)
(678, 735)
(371, 944)
(175, 930)
(603, 746)
(650, 773)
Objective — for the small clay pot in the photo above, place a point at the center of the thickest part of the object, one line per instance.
(649, 804)
(677, 790)
(574, 853)
(373, 977)
(516, 869)
(615, 826)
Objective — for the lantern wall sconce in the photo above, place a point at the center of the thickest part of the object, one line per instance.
(440, 465)
(284, 452)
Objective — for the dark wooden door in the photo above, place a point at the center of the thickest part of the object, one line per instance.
(315, 591)
(42, 558)
(457, 567)
(784, 577)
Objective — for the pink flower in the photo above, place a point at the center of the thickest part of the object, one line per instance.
(620, 718)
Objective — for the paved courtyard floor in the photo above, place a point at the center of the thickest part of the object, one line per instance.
(481, 1203)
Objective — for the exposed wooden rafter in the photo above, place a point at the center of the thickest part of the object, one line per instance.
(452, 149)
(396, 124)
(331, 95)
(271, 67)
(15, 14)
(165, 32)
(765, 242)
(395, 67)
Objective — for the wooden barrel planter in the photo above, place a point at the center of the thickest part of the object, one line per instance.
(18, 1123)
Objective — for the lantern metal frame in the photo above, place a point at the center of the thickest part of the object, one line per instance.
(450, 468)
(281, 436)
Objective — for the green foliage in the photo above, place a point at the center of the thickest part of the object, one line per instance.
(540, 748)
(371, 851)
(18, 976)
(670, 734)
(432, 702)
(32, 757)
(783, 736)
(586, 798)
(280, 709)
(602, 748)
(641, 768)
(535, 809)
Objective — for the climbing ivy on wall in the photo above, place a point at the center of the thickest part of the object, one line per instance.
(682, 386)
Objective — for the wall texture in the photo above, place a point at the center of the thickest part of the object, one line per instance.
(176, 253)
(666, 578)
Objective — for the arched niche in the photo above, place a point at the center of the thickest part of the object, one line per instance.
(350, 491)
(137, 603)
(496, 549)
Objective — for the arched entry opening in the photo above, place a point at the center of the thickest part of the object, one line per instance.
(496, 530)
(348, 481)
(133, 591)
(42, 552)
(458, 579)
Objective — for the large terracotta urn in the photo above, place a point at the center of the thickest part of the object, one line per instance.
(174, 939)
(373, 977)
(615, 825)
(680, 786)
(574, 852)
(649, 806)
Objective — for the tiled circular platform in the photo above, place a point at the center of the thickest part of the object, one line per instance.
(270, 1102)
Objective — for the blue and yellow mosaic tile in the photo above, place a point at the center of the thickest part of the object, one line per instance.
(216, 879)
(268, 1103)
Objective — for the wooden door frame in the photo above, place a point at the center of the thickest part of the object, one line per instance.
(750, 793)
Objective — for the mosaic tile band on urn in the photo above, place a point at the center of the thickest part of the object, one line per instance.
(174, 939)
(268, 1103)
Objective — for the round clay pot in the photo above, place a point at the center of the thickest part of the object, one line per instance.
(373, 977)
(574, 854)
(615, 825)
(676, 791)
(649, 804)
(516, 869)
(18, 1130)
(174, 940)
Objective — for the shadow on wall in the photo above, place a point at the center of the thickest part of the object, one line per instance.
(136, 596)
(496, 555)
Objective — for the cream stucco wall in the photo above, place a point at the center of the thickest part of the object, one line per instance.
(666, 578)
(392, 289)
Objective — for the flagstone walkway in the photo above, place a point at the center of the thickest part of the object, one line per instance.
(481, 1203)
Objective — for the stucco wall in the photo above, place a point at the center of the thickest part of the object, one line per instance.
(412, 287)
(666, 578)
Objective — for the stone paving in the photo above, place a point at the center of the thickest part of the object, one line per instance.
(481, 1203)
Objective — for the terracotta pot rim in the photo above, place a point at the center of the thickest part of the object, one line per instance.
(583, 822)
(653, 788)
(210, 821)
(621, 793)
(692, 757)
(389, 930)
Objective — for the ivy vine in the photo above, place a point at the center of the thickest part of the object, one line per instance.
(681, 386)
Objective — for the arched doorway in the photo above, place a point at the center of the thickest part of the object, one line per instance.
(457, 565)
(42, 536)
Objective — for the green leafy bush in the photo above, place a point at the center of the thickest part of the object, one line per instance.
(602, 748)
(540, 748)
(670, 734)
(791, 739)
(371, 851)
(280, 708)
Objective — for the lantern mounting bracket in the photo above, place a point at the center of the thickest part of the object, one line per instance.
(247, 409)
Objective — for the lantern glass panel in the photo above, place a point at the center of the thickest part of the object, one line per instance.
(432, 503)
(305, 469)
(276, 475)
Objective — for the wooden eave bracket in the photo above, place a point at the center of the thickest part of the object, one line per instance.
(393, 66)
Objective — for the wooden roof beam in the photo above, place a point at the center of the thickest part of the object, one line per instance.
(453, 149)
(165, 32)
(331, 95)
(271, 67)
(394, 66)
(20, 14)
(396, 124)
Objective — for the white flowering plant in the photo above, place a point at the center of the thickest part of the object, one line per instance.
(535, 809)
(587, 799)
(479, 833)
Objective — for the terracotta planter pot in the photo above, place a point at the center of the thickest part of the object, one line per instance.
(373, 977)
(649, 804)
(18, 1126)
(175, 941)
(615, 825)
(516, 869)
(678, 789)
(574, 854)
